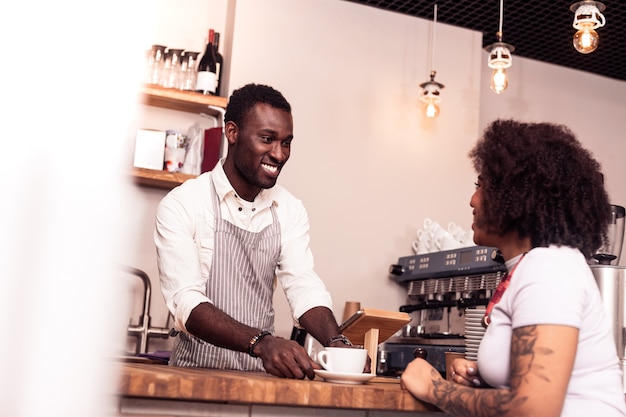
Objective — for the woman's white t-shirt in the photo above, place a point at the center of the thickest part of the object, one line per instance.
(554, 285)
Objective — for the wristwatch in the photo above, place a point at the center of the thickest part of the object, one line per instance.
(339, 338)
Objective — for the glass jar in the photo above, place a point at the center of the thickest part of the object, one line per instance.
(187, 78)
(171, 68)
(155, 63)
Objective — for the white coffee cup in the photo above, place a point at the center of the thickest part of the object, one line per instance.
(343, 360)
(456, 231)
(420, 246)
(447, 242)
(423, 242)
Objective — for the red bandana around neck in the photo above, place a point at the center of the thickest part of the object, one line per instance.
(497, 295)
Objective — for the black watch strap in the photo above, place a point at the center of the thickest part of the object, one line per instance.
(255, 341)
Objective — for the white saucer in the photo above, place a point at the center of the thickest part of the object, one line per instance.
(344, 378)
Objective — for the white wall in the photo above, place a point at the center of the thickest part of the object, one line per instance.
(368, 166)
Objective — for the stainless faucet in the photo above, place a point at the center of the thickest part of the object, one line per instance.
(142, 330)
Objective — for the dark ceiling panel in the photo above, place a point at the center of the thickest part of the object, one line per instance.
(538, 29)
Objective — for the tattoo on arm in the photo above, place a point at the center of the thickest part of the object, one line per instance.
(523, 352)
(460, 400)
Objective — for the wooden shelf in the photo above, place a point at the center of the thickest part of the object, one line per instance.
(172, 99)
(186, 101)
(159, 179)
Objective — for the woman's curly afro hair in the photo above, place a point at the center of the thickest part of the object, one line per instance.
(538, 181)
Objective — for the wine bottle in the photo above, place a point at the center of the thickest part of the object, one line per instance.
(220, 61)
(207, 69)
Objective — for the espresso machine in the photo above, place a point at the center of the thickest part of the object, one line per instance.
(611, 279)
(445, 291)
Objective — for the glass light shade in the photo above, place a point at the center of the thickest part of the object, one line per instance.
(586, 40)
(431, 109)
(431, 96)
(499, 80)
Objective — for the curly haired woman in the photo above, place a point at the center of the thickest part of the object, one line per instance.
(548, 349)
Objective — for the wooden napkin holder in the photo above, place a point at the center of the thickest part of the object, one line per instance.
(370, 327)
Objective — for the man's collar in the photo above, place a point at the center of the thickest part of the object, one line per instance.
(223, 187)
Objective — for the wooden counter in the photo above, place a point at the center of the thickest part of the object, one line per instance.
(149, 381)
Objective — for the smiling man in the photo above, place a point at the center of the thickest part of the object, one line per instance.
(223, 238)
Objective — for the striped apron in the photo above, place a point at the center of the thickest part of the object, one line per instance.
(241, 284)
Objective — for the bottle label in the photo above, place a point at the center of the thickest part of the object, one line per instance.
(205, 82)
(217, 73)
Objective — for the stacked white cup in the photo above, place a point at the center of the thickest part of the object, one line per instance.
(432, 237)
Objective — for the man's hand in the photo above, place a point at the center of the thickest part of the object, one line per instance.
(285, 358)
(321, 324)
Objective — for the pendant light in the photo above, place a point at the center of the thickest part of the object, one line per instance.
(499, 59)
(430, 89)
(587, 18)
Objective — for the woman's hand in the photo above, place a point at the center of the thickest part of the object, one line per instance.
(418, 378)
(464, 372)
